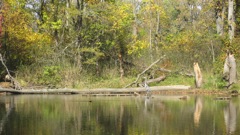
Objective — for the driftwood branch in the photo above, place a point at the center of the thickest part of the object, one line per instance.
(95, 91)
(145, 70)
(14, 82)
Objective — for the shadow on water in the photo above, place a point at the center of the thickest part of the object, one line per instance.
(74, 114)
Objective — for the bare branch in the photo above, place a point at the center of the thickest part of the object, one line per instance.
(14, 82)
(149, 67)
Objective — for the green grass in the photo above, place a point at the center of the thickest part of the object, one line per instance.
(177, 80)
(213, 82)
(210, 82)
(114, 82)
(72, 78)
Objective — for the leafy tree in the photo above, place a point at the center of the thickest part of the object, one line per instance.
(94, 36)
(21, 42)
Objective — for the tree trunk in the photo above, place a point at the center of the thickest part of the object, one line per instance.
(79, 6)
(120, 59)
(231, 25)
(78, 27)
(226, 70)
(220, 12)
(230, 70)
(1, 19)
(198, 75)
(55, 19)
(237, 15)
(157, 32)
(136, 5)
(67, 13)
(150, 33)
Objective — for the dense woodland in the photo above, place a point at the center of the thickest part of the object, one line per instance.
(73, 43)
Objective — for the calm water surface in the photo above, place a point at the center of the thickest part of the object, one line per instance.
(75, 115)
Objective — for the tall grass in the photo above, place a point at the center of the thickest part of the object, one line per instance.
(70, 77)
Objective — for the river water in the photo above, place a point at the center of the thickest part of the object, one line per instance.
(78, 115)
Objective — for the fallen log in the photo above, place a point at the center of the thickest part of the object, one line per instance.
(94, 91)
(159, 79)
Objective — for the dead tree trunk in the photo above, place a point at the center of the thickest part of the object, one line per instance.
(198, 75)
(230, 71)
(231, 18)
(14, 82)
(220, 14)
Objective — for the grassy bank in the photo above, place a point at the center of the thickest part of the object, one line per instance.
(71, 78)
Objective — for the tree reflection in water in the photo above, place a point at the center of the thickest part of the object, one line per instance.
(147, 103)
(230, 117)
(8, 106)
(74, 115)
(197, 110)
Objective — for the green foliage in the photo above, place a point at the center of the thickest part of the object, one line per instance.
(88, 39)
(213, 82)
(92, 55)
(174, 79)
(51, 75)
(22, 44)
(218, 64)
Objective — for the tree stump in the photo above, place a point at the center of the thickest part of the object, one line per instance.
(230, 70)
(198, 75)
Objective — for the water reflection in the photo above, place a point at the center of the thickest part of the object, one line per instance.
(7, 107)
(75, 115)
(147, 104)
(197, 110)
(230, 117)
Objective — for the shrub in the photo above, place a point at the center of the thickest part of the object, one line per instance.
(51, 76)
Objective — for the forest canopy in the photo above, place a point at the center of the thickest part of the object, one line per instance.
(66, 41)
